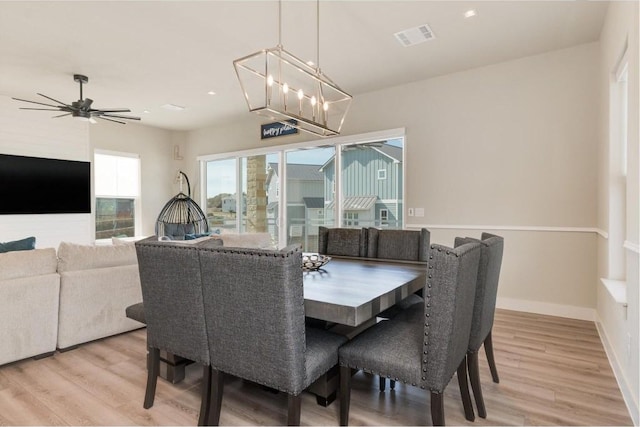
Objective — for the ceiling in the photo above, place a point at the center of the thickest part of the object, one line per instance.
(144, 54)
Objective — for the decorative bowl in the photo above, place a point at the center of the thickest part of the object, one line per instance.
(313, 261)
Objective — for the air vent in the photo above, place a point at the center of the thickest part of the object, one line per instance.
(414, 36)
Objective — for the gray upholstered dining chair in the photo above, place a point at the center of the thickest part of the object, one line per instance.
(403, 245)
(408, 245)
(426, 351)
(343, 241)
(173, 310)
(254, 310)
(483, 311)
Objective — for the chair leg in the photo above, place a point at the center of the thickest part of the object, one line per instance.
(383, 383)
(215, 395)
(437, 409)
(476, 386)
(153, 369)
(488, 349)
(205, 402)
(464, 391)
(293, 416)
(345, 394)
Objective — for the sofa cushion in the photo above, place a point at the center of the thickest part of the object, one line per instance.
(73, 257)
(25, 244)
(36, 262)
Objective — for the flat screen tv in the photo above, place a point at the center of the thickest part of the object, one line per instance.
(33, 185)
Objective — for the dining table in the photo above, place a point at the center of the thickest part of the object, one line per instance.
(348, 293)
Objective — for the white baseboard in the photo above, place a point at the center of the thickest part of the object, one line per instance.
(547, 308)
(625, 389)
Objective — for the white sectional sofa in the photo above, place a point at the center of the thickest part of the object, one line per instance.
(80, 294)
(50, 301)
(29, 298)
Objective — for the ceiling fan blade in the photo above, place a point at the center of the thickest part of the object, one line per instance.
(54, 100)
(40, 109)
(61, 115)
(35, 102)
(119, 117)
(104, 118)
(111, 110)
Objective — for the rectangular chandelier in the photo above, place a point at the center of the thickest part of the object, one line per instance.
(280, 86)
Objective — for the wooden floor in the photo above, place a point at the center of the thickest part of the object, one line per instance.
(553, 371)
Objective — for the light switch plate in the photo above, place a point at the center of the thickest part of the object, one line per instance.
(410, 211)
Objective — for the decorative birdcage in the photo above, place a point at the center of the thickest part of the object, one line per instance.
(181, 215)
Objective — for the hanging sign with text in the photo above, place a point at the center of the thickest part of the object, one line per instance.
(272, 130)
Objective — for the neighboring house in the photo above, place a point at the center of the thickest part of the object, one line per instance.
(372, 186)
(305, 202)
(229, 204)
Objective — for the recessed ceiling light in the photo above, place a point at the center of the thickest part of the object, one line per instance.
(146, 111)
(211, 92)
(310, 63)
(470, 13)
(173, 107)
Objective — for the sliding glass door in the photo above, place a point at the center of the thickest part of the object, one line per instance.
(293, 190)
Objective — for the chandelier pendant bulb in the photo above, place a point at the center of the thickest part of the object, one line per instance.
(279, 85)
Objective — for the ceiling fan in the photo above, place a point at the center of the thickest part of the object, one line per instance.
(82, 107)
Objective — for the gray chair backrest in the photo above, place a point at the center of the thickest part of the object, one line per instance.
(486, 286)
(172, 298)
(409, 245)
(343, 241)
(449, 296)
(254, 308)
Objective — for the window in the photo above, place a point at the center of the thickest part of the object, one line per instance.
(330, 183)
(117, 189)
(619, 113)
(243, 194)
(371, 181)
(351, 219)
(306, 194)
(384, 216)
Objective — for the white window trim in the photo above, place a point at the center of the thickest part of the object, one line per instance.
(382, 174)
(618, 146)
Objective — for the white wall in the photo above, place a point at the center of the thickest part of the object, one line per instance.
(618, 324)
(159, 169)
(511, 145)
(36, 134)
